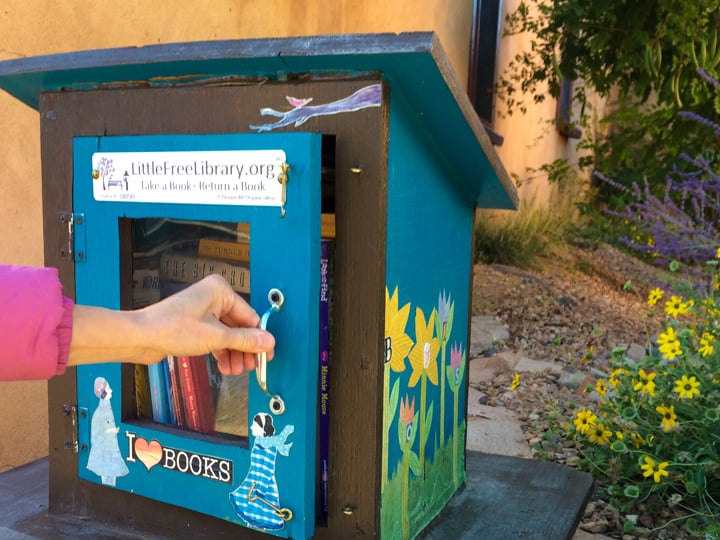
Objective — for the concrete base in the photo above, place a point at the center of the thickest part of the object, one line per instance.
(505, 497)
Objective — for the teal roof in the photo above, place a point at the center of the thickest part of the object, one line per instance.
(413, 63)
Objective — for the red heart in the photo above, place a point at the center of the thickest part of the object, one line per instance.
(149, 453)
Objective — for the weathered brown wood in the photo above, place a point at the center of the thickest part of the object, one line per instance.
(358, 325)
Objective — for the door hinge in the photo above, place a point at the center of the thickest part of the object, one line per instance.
(74, 243)
(76, 427)
(71, 427)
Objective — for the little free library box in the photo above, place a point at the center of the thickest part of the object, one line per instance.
(333, 180)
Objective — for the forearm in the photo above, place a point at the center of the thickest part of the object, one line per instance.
(104, 335)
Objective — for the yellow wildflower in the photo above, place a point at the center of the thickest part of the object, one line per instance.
(515, 381)
(687, 388)
(669, 418)
(649, 469)
(707, 347)
(675, 306)
(671, 350)
(614, 378)
(601, 388)
(584, 420)
(598, 434)
(638, 440)
(646, 385)
(717, 253)
(654, 296)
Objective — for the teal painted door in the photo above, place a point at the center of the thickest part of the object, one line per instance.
(265, 480)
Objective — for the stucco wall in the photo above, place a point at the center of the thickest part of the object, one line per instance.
(531, 139)
(35, 27)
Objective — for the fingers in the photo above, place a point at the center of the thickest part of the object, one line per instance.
(233, 309)
(234, 362)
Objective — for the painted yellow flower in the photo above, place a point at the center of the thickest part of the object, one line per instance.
(687, 388)
(584, 420)
(707, 344)
(423, 356)
(654, 296)
(599, 434)
(649, 469)
(515, 381)
(646, 384)
(676, 307)
(669, 418)
(397, 342)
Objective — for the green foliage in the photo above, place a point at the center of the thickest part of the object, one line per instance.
(641, 56)
(519, 238)
(654, 435)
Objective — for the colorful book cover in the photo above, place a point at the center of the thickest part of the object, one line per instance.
(158, 392)
(197, 394)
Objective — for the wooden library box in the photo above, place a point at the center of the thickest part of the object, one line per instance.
(333, 181)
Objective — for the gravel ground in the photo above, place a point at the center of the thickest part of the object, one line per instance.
(571, 311)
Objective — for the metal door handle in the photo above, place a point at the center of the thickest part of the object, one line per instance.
(277, 406)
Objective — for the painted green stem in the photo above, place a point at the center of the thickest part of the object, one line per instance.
(442, 393)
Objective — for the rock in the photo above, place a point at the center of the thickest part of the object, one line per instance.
(486, 369)
(485, 333)
(572, 380)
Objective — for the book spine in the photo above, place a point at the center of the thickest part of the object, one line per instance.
(324, 383)
(158, 393)
(176, 391)
(194, 395)
(223, 249)
(203, 393)
(185, 268)
(169, 390)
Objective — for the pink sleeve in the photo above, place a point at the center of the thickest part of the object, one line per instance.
(35, 323)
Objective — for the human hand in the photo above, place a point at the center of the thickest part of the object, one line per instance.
(207, 317)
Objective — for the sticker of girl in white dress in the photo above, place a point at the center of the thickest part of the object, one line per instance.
(257, 500)
(105, 459)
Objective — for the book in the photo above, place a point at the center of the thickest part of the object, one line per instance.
(196, 393)
(224, 249)
(143, 399)
(324, 382)
(174, 390)
(230, 397)
(158, 392)
(327, 225)
(187, 267)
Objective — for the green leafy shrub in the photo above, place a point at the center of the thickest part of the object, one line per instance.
(655, 433)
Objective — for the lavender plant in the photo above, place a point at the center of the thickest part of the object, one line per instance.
(681, 223)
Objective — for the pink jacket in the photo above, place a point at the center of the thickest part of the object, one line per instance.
(35, 323)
